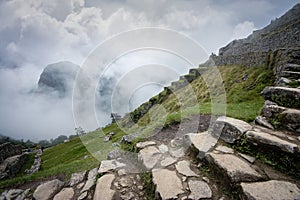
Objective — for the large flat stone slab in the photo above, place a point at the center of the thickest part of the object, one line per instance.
(199, 190)
(274, 189)
(103, 189)
(233, 167)
(230, 129)
(48, 189)
(149, 156)
(168, 184)
(203, 142)
(183, 167)
(287, 97)
(263, 138)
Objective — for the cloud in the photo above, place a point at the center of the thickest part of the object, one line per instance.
(35, 33)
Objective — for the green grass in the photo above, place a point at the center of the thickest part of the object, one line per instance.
(243, 101)
(65, 159)
(29, 162)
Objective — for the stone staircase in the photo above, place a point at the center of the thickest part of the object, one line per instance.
(288, 74)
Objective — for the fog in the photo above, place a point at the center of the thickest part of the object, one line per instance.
(35, 33)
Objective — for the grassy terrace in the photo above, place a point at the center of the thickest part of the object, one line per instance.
(63, 159)
(243, 102)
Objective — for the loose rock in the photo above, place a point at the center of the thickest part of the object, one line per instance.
(47, 190)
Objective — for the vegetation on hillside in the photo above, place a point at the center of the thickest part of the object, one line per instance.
(242, 86)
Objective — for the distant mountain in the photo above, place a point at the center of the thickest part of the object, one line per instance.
(58, 77)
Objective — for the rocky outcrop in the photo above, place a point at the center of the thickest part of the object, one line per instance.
(12, 165)
(58, 77)
(8, 150)
(282, 33)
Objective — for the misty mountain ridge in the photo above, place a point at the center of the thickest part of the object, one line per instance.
(58, 77)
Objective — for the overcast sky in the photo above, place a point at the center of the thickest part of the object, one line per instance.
(35, 33)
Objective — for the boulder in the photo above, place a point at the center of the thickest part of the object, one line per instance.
(199, 190)
(12, 165)
(103, 189)
(233, 167)
(230, 129)
(168, 184)
(64, 194)
(48, 189)
(273, 189)
(263, 138)
(287, 97)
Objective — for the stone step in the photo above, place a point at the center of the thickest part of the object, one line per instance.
(229, 129)
(282, 117)
(290, 74)
(273, 189)
(258, 137)
(292, 67)
(294, 60)
(232, 169)
(283, 96)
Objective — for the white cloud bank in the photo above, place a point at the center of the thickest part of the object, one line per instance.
(34, 33)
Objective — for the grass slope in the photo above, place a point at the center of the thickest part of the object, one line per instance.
(65, 159)
(243, 102)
